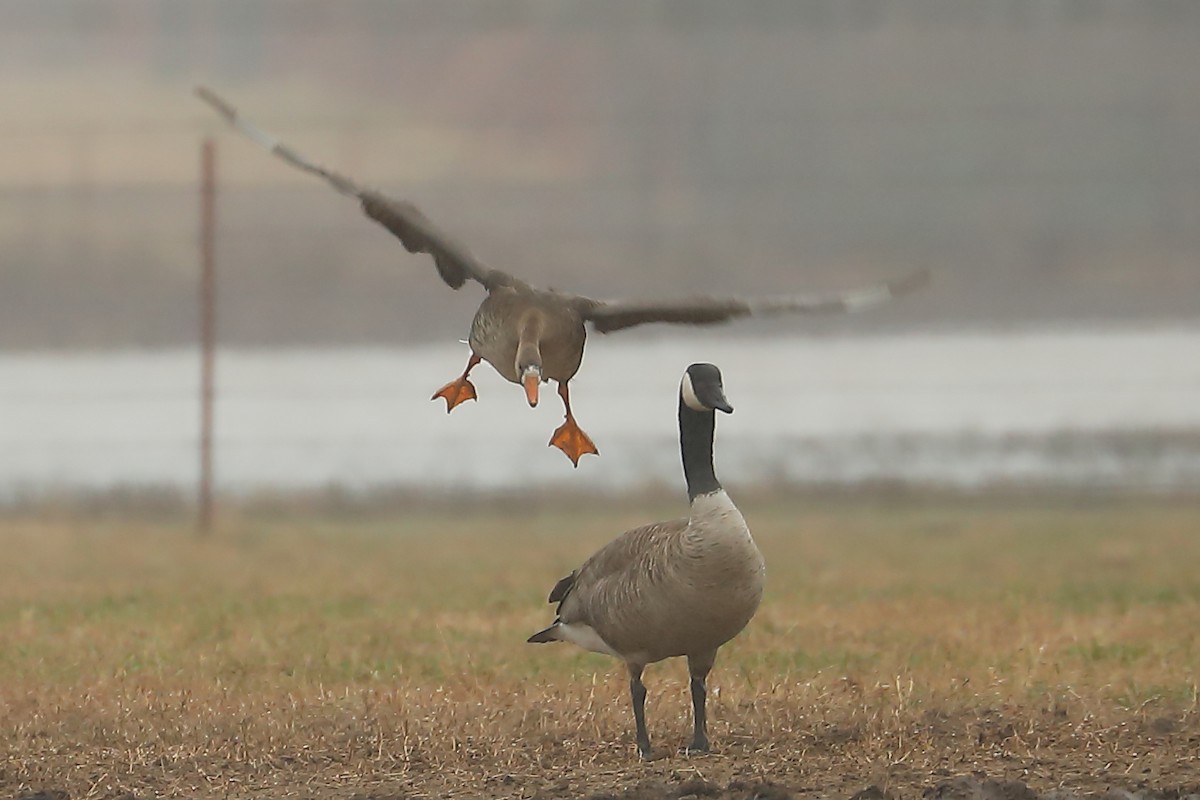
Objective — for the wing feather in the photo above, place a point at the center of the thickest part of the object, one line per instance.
(613, 316)
(454, 262)
(617, 573)
(561, 589)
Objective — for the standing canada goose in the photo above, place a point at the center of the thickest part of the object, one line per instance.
(531, 335)
(678, 588)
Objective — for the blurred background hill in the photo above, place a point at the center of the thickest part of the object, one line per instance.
(1040, 156)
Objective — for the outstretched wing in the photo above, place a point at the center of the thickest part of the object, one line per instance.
(615, 316)
(455, 263)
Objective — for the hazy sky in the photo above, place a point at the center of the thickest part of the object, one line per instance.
(1040, 157)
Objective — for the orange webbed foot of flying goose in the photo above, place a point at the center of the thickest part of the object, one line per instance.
(455, 392)
(573, 441)
(460, 390)
(569, 437)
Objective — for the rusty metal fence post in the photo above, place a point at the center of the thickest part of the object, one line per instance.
(208, 333)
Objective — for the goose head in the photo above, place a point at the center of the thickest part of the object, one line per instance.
(701, 389)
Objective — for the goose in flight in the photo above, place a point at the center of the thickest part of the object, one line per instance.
(532, 335)
(678, 588)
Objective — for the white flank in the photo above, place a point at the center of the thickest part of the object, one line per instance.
(586, 637)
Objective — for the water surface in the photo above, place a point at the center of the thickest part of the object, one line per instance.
(1065, 407)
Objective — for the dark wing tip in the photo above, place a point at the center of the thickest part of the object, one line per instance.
(561, 589)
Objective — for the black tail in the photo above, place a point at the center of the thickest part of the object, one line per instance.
(544, 636)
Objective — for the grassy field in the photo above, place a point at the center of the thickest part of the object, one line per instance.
(901, 643)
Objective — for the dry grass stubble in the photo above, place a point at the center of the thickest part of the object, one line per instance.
(899, 644)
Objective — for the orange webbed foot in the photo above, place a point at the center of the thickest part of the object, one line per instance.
(455, 392)
(573, 441)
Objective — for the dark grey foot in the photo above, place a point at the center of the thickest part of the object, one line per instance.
(696, 747)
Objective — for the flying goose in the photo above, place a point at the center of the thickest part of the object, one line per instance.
(678, 588)
(531, 335)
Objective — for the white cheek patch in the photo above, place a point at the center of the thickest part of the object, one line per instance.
(688, 393)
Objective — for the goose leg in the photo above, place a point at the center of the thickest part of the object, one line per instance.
(568, 437)
(460, 390)
(699, 668)
(637, 691)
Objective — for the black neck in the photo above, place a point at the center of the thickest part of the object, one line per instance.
(696, 445)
